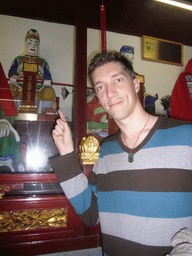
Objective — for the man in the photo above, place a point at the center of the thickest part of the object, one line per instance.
(140, 187)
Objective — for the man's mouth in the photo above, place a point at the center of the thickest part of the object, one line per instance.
(113, 104)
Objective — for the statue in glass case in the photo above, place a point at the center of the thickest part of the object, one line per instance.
(30, 79)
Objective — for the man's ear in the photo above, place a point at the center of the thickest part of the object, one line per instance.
(136, 84)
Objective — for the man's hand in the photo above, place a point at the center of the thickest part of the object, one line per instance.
(62, 136)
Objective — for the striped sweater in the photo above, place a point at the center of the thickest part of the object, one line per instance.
(140, 205)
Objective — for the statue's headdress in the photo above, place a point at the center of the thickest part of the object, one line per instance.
(127, 49)
(32, 33)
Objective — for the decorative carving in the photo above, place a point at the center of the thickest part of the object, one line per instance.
(3, 189)
(24, 220)
(89, 149)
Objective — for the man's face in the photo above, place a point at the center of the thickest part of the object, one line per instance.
(32, 46)
(115, 90)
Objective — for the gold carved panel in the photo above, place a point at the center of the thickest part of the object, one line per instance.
(24, 220)
(30, 67)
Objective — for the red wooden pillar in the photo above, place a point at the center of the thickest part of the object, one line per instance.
(80, 96)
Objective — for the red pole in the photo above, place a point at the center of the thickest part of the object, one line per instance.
(103, 27)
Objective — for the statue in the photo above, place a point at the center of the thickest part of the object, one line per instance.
(10, 153)
(30, 79)
(149, 103)
(128, 51)
(96, 116)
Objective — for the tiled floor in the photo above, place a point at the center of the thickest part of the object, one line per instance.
(87, 252)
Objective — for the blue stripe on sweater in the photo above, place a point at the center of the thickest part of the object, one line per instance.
(161, 138)
(82, 201)
(147, 204)
(171, 137)
(108, 148)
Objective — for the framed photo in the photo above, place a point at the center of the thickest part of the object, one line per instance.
(160, 50)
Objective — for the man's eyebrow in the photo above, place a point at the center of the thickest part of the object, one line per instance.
(99, 82)
(113, 76)
(120, 73)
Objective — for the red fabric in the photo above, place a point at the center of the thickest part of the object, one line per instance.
(6, 100)
(181, 103)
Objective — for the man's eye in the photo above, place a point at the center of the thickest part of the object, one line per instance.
(118, 80)
(99, 88)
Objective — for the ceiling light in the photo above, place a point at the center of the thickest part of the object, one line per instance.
(180, 4)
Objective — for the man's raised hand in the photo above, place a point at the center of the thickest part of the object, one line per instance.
(62, 135)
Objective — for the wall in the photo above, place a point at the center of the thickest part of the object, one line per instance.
(58, 48)
(159, 77)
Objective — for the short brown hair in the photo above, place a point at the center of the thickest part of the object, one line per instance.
(110, 56)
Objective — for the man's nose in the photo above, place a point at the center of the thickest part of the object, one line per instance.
(111, 91)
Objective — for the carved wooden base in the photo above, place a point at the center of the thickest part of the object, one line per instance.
(43, 225)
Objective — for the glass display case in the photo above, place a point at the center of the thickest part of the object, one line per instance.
(35, 215)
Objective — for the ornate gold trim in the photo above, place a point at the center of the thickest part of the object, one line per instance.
(3, 189)
(24, 220)
(30, 67)
(26, 117)
(141, 78)
(27, 108)
(16, 91)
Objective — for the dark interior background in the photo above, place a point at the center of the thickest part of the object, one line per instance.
(133, 17)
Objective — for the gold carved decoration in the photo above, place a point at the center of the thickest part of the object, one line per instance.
(89, 149)
(27, 108)
(30, 67)
(16, 91)
(24, 220)
(3, 189)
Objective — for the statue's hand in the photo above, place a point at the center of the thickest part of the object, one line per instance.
(13, 79)
(4, 129)
(21, 168)
(47, 83)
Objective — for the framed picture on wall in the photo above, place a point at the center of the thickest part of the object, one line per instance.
(160, 50)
